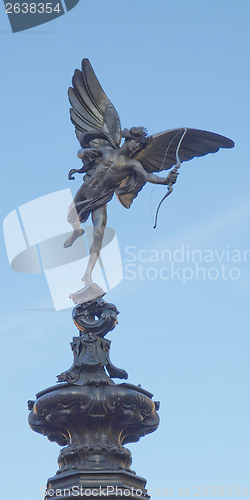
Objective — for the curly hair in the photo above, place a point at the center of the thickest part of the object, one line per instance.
(135, 133)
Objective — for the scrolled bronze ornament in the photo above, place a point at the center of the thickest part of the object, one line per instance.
(98, 317)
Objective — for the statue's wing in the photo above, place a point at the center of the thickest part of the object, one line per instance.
(160, 152)
(164, 149)
(91, 109)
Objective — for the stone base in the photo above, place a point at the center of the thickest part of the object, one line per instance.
(96, 485)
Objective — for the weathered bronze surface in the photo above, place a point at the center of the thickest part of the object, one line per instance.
(90, 349)
(87, 413)
(91, 416)
(111, 168)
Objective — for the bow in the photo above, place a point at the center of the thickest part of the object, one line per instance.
(175, 168)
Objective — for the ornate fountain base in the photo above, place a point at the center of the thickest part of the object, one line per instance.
(92, 417)
(116, 484)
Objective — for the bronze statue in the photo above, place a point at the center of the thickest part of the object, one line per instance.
(110, 168)
(87, 413)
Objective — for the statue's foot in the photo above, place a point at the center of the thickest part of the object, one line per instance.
(87, 279)
(70, 240)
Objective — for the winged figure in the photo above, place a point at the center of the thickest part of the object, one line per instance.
(110, 167)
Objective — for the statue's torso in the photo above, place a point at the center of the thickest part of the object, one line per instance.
(109, 170)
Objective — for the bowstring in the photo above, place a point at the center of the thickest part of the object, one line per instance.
(176, 166)
(160, 170)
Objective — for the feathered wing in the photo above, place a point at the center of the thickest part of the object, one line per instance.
(160, 153)
(91, 109)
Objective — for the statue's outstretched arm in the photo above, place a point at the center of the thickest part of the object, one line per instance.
(155, 179)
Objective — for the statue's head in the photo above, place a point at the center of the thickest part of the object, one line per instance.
(135, 138)
(139, 133)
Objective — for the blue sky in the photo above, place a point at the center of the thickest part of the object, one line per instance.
(163, 65)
